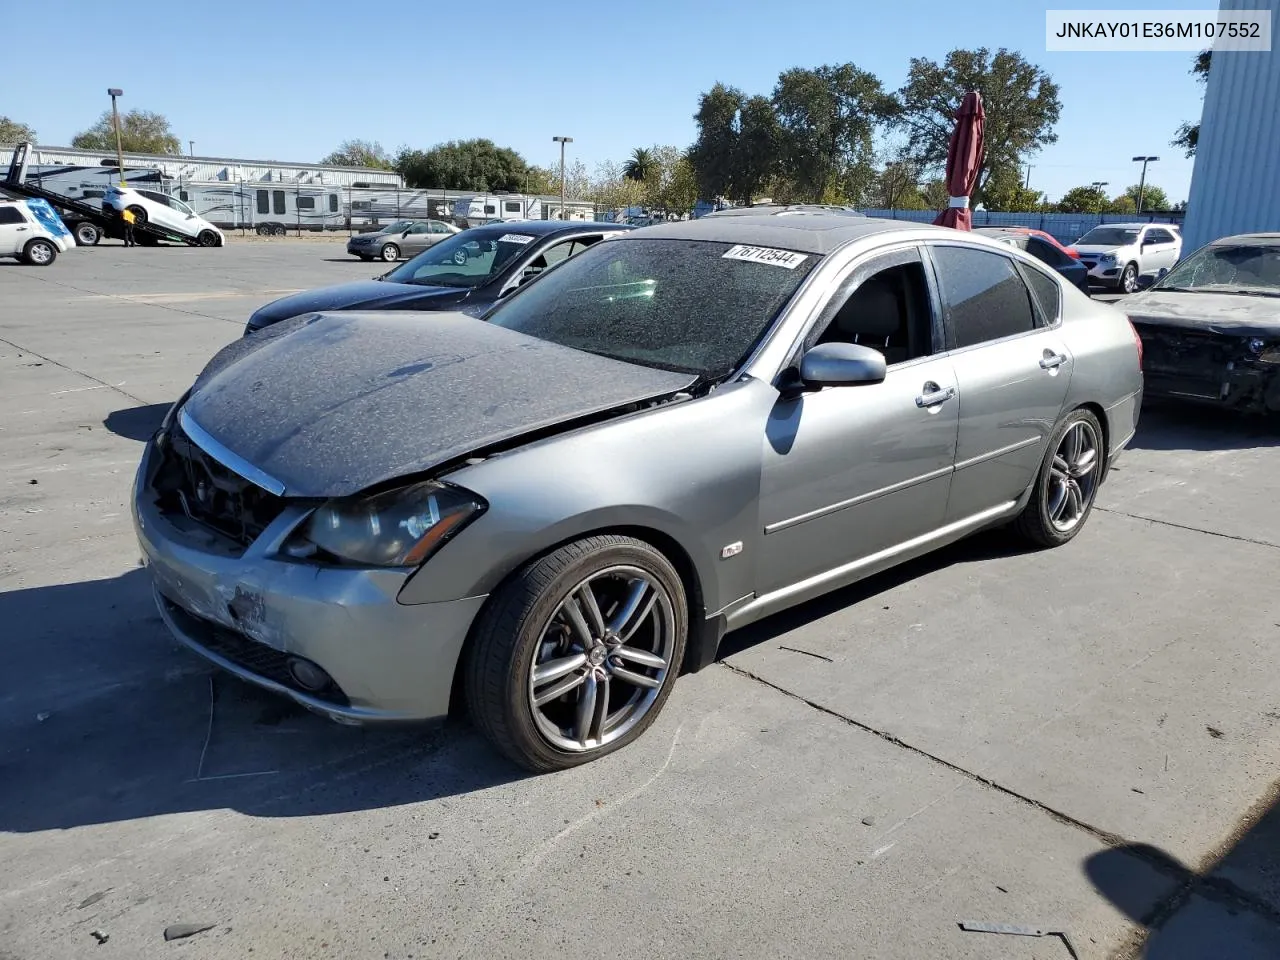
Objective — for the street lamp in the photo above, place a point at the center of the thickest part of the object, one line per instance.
(191, 148)
(1142, 183)
(114, 92)
(562, 141)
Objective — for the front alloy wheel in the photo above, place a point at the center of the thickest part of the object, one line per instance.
(1129, 278)
(578, 652)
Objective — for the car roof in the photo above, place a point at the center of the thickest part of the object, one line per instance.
(1256, 239)
(818, 233)
(785, 209)
(546, 228)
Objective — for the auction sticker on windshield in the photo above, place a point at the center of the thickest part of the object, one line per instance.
(515, 238)
(777, 258)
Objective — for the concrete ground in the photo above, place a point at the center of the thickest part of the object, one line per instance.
(1084, 741)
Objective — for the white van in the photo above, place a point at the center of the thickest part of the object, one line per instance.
(32, 231)
(163, 211)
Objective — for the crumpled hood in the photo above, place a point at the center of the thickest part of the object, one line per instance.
(375, 294)
(1226, 314)
(331, 404)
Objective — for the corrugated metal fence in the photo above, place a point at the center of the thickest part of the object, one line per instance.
(1066, 228)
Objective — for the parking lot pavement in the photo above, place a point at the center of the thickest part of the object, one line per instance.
(1084, 740)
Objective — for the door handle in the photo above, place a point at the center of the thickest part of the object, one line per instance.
(934, 395)
(1052, 360)
(22, 229)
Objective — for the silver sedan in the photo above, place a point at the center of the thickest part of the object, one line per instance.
(563, 506)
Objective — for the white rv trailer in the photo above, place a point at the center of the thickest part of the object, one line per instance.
(472, 211)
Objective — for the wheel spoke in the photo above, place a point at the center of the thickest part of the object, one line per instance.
(555, 669)
(642, 657)
(571, 682)
(1073, 445)
(1083, 466)
(635, 609)
(577, 625)
(587, 600)
(1059, 501)
(586, 711)
(637, 679)
(1076, 501)
(1060, 465)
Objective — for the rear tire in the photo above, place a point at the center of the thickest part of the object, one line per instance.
(638, 624)
(87, 234)
(263, 230)
(139, 215)
(389, 252)
(39, 253)
(1067, 482)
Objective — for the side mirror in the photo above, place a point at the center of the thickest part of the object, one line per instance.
(841, 365)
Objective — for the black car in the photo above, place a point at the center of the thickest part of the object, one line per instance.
(1045, 249)
(467, 272)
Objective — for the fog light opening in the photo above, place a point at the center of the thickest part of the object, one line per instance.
(307, 675)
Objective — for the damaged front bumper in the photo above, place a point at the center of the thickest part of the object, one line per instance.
(1239, 373)
(335, 640)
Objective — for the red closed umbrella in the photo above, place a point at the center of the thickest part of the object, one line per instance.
(964, 156)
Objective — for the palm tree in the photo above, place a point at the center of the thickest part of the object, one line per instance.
(640, 166)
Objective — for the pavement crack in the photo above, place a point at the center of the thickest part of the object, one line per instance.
(1185, 526)
(78, 373)
(807, 653)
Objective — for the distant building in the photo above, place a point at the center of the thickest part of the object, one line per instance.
(1235, 186)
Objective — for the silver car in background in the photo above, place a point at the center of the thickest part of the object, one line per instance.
(404, 238)
(676, 433)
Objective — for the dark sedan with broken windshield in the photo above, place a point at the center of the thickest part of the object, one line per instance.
(1211, 327)
(557, 509)
(468, 272)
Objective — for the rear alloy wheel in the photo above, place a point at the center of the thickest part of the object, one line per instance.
(279, 230)
(87, 234)
(1129, 278)
(1067, 482)
(577, 653)
(389, 252)
(40, 253)
(263, 230)
(460, 257)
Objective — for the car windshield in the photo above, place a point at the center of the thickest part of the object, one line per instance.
(691, 306)
(469, 258)
(1245, 268)
(1109, 237)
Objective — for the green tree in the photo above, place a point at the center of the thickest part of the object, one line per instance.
(1121, 204)
(1083, 200)
(612, 189)
(544, 181)
(828, 117)
(896, 186)
(13, 132)
(641, 165)
(360, 153)
(141, 131)
(934, 193)
(1188, 136)
(1020, 101)
(757, 150)
(1153, 198)
(1006, 192)
(479, 165)
(715, 151)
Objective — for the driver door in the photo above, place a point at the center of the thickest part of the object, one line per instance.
(416, 239)
(849, 472)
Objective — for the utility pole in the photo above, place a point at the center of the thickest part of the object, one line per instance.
(1097, 186)
(191, 148)
(562, 141)
(1027, 184)
(114, 92)
(1142, 182)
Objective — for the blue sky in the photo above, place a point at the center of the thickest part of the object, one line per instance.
(271, 80)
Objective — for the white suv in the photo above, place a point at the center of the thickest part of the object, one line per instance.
(1117, 254)
(164, 211)
(32, 231)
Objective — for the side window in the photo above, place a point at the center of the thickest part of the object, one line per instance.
(551, 256)
(333, 203)
(418, 228)
(306, 203)
(887, 308)
(983, 296)
(512, 206)
(1046, 252)
(490, 208)
(437, 227)
(1046, 291)
(93, 194)
(263, 199)
(183, 195)
(277, 199)
(11, 214)
(1159, 236)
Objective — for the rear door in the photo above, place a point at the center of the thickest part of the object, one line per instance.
(1012, 370)
(1159, 250)
(14, 230)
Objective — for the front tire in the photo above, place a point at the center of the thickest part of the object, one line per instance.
(1067, 482)
(389, 252)
(576, 654)
(1129, 278)
(39, 253)
(208, 238)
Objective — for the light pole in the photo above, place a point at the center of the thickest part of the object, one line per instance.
(114, 92)
(562, 141)
(1102, 197)
(191, 148)
(1142, 183)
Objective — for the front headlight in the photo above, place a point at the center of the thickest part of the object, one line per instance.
(399, 528)
(1107, 258)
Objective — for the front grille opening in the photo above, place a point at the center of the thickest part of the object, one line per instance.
(257, 658)
(190, 483)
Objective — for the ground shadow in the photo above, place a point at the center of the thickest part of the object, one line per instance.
(137, 423)
(104, 718)
(1179, 426)
(1231, 908)
(979, 548)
